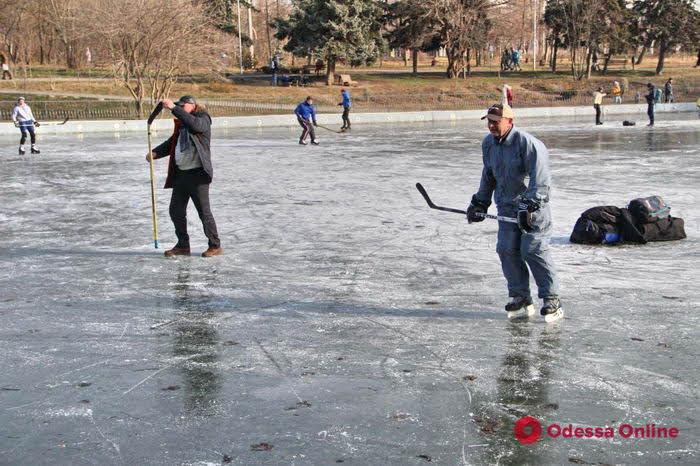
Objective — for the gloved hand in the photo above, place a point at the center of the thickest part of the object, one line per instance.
(476, 207)
(36, 123)
(315, 124)
(16, 124)
(526, 214)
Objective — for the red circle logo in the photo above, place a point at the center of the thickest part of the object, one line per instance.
(528, 429)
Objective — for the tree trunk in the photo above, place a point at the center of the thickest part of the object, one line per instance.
(330, 71)
(414, 56)
(588, 69)
(605, 64)
(641, 55)
(478, 58)
(267, 26)
(469, 62)
(554, 58)
(405, 57)
(662, 56)
(697, 63)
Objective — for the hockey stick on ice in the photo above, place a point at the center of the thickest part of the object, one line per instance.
(55, 123)
(331, 130)
(423, 192)
(154, 215)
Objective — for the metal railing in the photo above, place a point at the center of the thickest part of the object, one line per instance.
(363, 101)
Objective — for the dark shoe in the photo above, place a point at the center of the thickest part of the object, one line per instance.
(303, 143)
(650, 124)
(212, 252)
(599, 123)
(550, 306)
(21, 151)
(177, 252)
(315, 143)
(518, 302)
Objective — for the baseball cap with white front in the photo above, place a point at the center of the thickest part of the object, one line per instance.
(498, 111)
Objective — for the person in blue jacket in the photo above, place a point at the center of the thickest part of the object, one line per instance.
(347, 105)
(516, 174)
(306, 115)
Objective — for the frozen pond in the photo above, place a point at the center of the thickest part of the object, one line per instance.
(346, 322)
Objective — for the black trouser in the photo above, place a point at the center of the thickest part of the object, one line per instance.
(192, 184)
(346, 117)
(650, 112)
(24, 130)
(308, 130)
(597, 114)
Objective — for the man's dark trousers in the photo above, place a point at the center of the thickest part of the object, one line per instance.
(650, 113)
(597, 114)
(308, 130)
(192, 184)
(346, 117)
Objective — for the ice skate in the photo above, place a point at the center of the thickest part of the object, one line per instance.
(520, 307)
(21, 150)
(34, 150)
(551, 310)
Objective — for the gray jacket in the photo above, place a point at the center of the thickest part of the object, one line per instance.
(507, 163)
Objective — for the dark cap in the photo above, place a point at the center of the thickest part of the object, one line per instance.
(650, 85)
(308, 97)
(186, 99)
(498, 111)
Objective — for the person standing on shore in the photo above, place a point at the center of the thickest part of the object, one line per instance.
(190, 172)
(597, 103)
(617, 92)
(346, 109)
(668, 91)
(23, 118)
(510, 157)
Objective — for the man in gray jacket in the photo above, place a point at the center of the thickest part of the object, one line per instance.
(189, 172)
(510, 156)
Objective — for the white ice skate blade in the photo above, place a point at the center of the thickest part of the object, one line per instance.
(549, 318)
(522, 313)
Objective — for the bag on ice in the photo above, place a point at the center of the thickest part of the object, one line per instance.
(649, 209)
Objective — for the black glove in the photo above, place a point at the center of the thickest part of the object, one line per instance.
(36, 123)
(16, 124)
(315, 124)
(526, 214)
(477, 206)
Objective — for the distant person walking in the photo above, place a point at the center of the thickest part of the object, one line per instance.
(347, 105)
(23, 118)
(617, 92)
(516, 60)
(668, 91)
(597, 104)
(306, 116)
(190, 172)
(650, 97)
(274, 67)
(6, 74)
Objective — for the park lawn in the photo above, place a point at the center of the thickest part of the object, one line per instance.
(481, 81)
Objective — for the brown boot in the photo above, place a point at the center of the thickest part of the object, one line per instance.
(177, 252)
(212, 252)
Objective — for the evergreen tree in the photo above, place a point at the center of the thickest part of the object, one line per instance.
(668, 24)
(410, 26)
(340, 30)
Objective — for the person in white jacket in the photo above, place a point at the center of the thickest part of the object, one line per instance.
(23, 118)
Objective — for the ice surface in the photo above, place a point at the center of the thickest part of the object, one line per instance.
(346, 320)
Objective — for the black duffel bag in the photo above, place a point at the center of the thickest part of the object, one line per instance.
(648, 209)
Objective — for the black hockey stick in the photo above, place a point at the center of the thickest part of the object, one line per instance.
(53, 123)
(330, 129)
(423, 192)
(156, 111)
